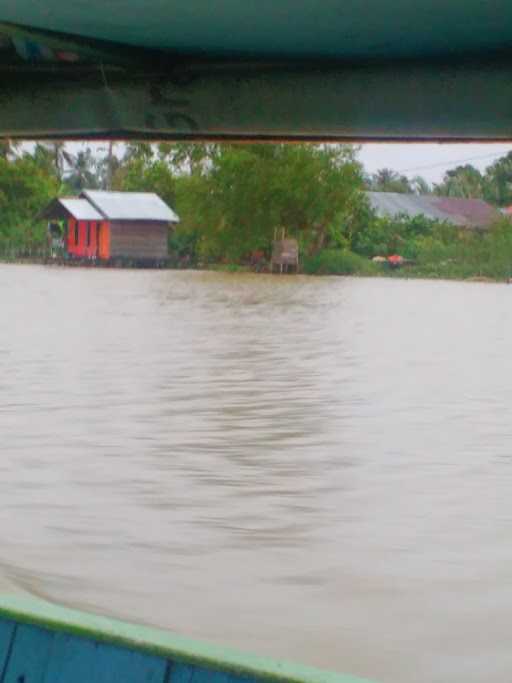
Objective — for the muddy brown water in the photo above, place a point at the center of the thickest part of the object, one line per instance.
(318, 469)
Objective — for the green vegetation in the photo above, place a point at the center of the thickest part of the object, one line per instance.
(25, 187)
(338, 262)
(495, 185)
(234, 199)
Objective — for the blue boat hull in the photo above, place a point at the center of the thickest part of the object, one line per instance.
(44, 643)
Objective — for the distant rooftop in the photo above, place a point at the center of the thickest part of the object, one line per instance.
(469, 213)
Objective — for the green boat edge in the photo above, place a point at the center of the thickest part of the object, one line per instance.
(36, 612)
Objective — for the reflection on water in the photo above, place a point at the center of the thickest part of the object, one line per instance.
(317, 469)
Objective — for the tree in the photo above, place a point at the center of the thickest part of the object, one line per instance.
(462, 181)
(144, 173)
(49, 157)
(387, 180)
(188, 157)
(251, 193)
(25, 188)
(82, 170)
(8, 149)
(402, 234)
(139, 150)
(107, 167)
(498, 179)
(420, 186)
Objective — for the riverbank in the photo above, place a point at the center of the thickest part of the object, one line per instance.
(347, 264)
(369, 269)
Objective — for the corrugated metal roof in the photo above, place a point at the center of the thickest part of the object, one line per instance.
(131, 206)
(80, 209)
(472, 213)
(394, 203)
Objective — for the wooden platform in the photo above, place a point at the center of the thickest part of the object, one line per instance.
(285, 256)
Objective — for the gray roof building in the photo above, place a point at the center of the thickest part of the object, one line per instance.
(467, 213)
(113, 226)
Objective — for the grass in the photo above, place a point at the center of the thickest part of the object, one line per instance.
(338, 262)
(229, 268)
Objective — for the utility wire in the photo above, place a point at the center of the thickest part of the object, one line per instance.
(449, 163)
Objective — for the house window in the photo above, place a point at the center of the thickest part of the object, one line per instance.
(77, 235)
(88, 234)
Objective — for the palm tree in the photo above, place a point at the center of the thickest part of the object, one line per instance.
(8, 148)
(107, 167)
(82, 170)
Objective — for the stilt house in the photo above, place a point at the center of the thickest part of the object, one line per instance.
(112, 225)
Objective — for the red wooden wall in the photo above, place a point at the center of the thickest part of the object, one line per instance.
(87, 245)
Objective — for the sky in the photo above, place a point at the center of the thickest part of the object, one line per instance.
(429, 160)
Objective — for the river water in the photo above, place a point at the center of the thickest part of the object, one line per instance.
(318, 469)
